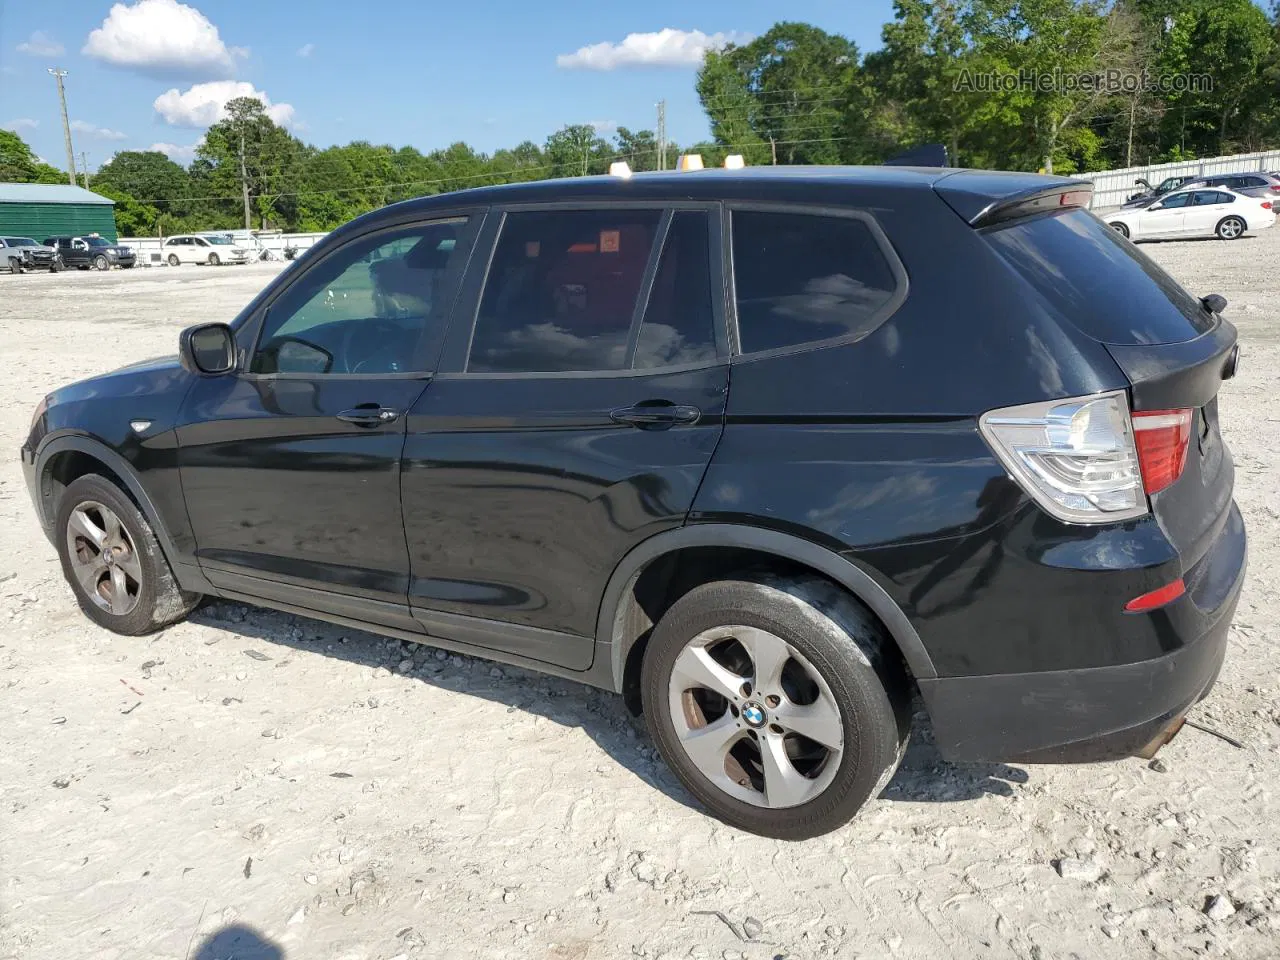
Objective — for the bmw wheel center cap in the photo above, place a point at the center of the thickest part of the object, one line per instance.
(753, 714)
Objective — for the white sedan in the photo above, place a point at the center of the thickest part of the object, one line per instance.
(1206, 212)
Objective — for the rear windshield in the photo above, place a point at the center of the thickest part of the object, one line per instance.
(1099, 281)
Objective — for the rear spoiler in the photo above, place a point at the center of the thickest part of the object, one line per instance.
(1076, 193)
(984, 197)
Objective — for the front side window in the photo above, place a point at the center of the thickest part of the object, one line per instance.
(800, 278)
(379, 305)
(1177, 200)
(562, 291)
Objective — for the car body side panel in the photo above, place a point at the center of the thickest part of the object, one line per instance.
(885, 466)
(101, 410)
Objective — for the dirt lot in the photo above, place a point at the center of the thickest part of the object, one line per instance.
(256, 785)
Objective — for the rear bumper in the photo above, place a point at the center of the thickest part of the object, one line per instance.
(1098, 713)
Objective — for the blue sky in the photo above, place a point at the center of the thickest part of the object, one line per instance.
(490, 72)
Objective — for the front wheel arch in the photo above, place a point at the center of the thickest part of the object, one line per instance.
(64, 459)
(622, 624)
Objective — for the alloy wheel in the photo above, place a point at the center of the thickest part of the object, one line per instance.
(755, 717)
(103, 558)
(1230, 228)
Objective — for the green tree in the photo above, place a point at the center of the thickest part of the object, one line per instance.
(17, 162)
(1054, 41)
(146, 175)
(788, 93)
(249, 156)
(576, 150)
(912, 79)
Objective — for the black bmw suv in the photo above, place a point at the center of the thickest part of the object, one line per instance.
(766, 451)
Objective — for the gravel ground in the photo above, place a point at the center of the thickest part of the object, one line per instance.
(258, 785)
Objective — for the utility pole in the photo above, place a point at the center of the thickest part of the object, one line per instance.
(244, 181)
(773, 149)
(84, 169)
(662, 134)
(66, 125)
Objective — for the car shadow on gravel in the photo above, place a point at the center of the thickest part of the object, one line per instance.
(601, 715)
(922, 777)
(240, 942)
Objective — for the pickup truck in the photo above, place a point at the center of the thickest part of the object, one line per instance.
(92, 251)
(22, 253)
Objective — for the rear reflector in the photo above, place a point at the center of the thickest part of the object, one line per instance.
(1162, 437)
(1157, 598)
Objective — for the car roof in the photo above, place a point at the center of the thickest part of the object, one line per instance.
(749, 183)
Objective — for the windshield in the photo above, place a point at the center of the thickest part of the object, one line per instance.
(97, 242)
(20, 242)
(221, 241)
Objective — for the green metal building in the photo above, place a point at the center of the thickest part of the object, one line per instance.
(40, 210)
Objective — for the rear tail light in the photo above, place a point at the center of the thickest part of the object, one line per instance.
(1077, 458)
(1162, 437)
(1266, 204)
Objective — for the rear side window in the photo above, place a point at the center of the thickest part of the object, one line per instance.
(678, 323)
(562, 291)
(1223, 198)
(1100, 282)
(801, 278)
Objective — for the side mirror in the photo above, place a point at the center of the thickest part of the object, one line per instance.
(209, 348)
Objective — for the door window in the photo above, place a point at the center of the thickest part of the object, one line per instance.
(679, 325)
(562, 290)
(1224, 198)
(801, 278)
(379, 305)
(1177, 200)
(1205, 197)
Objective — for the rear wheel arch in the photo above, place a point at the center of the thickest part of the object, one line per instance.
(663, 568)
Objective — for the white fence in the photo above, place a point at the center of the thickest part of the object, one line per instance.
(150, 249)
(1112, 187)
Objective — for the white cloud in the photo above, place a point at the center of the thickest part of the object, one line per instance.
(162, 37)
(603, 126)
(40, 44)
(205, 104)
(666, 48)
(178, 152)
(98, 133)
(306, 50)
(22, 123)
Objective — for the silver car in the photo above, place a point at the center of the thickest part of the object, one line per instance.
(1263, 186)
(22, 253)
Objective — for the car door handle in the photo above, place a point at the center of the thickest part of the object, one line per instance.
(369, 415)
(656, 414)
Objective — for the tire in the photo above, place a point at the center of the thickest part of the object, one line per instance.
(151, 598)
(1120, 228)
(173, 260)
(126, 266)
(15, 266)
(836, 655)
(1230, 228)
(56, 265)
(213, 260)
(101, 263)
